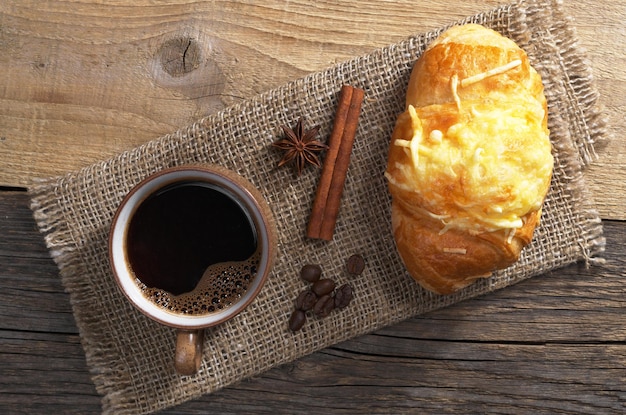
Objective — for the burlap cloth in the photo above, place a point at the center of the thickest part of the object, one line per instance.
(130, 356)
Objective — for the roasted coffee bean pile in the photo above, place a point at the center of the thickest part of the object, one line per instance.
(323, 296)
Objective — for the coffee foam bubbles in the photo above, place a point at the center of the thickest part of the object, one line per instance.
(221, 286)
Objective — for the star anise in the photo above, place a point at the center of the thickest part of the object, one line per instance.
(300, 146)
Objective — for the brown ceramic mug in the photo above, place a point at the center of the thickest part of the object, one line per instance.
(191, 247)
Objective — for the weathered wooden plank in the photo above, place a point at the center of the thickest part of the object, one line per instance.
(551, 344)
(502, 378)
(30, 280)
(89, 79)
(44, 373)
(19, 236)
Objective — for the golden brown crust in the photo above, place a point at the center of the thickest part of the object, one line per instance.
(444, 258)
(439, 263)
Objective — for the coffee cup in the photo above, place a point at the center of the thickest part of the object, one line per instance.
(191, 247)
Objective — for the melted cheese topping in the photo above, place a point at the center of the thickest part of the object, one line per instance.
(460, 251)
(492, 72)
(485, 172)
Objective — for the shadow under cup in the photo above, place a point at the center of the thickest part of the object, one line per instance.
(191, 247)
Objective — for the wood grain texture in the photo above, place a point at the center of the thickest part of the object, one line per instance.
(84, 80)
(552, 344)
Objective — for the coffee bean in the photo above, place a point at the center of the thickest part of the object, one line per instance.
(311, 273)
(323, 287)
(355, 264)
(343, 296)
(297, 320)
(324, 306)
(306, 300)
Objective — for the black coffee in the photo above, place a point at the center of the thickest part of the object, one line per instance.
(176, 234)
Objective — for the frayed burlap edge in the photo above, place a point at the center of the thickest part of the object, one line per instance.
(586, 122)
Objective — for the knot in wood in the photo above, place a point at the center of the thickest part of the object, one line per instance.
(179, 56)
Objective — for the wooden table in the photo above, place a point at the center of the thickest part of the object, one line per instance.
(83, 80)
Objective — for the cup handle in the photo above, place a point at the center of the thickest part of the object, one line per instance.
(188, 351)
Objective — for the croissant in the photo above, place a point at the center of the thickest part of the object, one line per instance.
(469, 162)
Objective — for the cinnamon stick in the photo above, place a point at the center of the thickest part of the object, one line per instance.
(330, 187)
(334, 142)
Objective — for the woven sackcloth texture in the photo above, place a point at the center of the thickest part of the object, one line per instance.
(130, 356)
